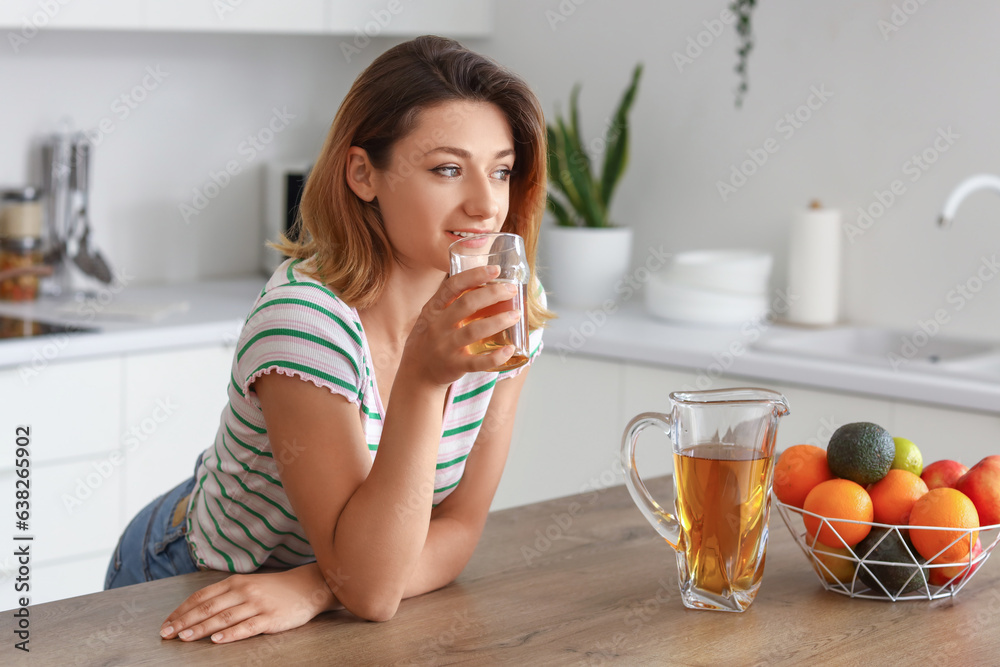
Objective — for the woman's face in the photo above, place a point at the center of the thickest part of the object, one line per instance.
(449, 177)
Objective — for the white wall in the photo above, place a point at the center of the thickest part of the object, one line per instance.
(890, 96)
(218, 90)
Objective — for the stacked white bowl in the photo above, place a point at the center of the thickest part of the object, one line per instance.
(717, 287)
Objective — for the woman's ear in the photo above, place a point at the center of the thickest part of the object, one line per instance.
(360, 173)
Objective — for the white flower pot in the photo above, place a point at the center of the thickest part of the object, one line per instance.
(581, 266)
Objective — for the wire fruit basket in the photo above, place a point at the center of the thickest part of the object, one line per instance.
(862, 575)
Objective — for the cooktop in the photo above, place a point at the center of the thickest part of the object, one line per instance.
(17, 327)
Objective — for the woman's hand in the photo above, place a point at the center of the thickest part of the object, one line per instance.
(437, 346)
(245, 605)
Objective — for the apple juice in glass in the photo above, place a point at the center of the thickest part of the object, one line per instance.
(507, 252)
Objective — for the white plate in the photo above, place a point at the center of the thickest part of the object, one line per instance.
(733, 271)
(681, 303)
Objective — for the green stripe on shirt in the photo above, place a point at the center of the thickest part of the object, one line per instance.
(229, 561)
(448, 464)
(445, 488)
(309, 304)
(295, 333)
(290, 274)
(248, 468)
(236, 386)
(249, 448)
(271, 528)
(218, 529)
(305, 369)
(475, 392)
(461, 429)
(256, 429)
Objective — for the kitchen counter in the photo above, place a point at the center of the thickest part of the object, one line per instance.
(134, 319)
(581, 580)
(215, 311)
(629, 334)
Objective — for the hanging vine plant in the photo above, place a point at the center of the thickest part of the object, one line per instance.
(743, 9)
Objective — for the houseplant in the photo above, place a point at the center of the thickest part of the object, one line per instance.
(585, 252)
(743, 9)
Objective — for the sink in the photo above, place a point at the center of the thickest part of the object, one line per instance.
(877, 347)
(984, 366)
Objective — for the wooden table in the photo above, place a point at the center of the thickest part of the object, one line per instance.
(582, 580)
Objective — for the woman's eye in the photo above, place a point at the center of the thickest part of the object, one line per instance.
(449, 171)
(502, 174)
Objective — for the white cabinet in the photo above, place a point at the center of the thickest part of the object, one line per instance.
(108, 436)
(364, 18)
(288, 16)
(574, 410)
(73, 408)
(463, 18)
(173, 403)
(948, 434)
(32, 15)
(567, 414)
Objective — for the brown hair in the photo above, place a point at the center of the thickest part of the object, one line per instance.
(344, 233)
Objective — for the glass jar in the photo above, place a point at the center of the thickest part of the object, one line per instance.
(20, 244)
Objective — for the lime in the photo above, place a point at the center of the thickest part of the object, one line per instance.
(908, 457)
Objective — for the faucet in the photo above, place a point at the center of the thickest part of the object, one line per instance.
(964, 189)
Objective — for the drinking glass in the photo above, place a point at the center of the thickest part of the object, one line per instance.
(507, 252)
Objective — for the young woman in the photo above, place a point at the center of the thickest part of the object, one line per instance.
(363, 443)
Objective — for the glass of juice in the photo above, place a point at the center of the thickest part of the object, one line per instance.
(507, 252)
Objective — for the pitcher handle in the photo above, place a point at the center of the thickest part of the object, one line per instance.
(664, 523)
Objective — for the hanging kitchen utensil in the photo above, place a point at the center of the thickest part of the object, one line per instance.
(57, 161)
(87, 259)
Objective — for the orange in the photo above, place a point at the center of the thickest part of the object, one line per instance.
(947, 508)
(893, 496)
(958, 572)
(838, 499)
(798, 470)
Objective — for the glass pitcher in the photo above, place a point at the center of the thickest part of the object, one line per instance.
(723, 449)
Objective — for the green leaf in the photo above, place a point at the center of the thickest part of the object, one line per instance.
(570, 172)
(574, 126)
(583, 183)
(558, 173)
(554, 158)
(563, 217)
(616, 140)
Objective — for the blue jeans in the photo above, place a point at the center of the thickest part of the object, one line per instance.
(153, 546)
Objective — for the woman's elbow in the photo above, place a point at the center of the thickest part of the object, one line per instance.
(370, 606)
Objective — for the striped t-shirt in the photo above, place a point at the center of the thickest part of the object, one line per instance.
(239, 518)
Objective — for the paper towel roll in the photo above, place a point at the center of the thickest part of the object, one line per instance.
(814, 267)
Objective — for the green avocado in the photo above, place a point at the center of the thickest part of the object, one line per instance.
(897, 579)
(861, 452)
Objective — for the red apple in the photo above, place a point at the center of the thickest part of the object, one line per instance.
(939, 576)
(982, 485)
(942, 473)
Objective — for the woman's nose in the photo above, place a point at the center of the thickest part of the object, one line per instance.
(480, 199)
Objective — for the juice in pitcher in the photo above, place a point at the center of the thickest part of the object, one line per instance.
(722, 497)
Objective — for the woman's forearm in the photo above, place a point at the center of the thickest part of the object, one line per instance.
(446, 552)
(382, 530)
